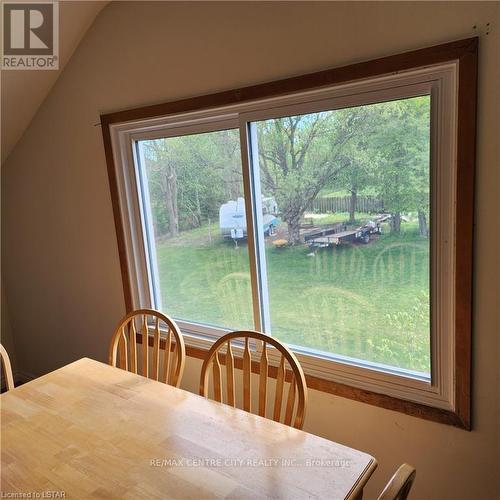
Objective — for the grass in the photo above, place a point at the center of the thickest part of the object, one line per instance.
(365, 301)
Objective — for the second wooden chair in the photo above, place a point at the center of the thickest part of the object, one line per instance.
(288, 372)
(7, 368)
(398, 487)
(166, 340)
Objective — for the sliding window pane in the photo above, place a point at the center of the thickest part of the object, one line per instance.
(193, 193)
(348, 263)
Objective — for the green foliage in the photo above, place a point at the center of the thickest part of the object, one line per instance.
(300, 155)
(206, 169)
(409, 343)
(402, 149)
(380, 148)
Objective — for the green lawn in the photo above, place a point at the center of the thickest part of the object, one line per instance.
(365, 301)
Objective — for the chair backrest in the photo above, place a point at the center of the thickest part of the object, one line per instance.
(165, 362)
(288, 372)
(400, 484)
(7, 368)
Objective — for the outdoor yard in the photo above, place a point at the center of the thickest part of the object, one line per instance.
(364, 301)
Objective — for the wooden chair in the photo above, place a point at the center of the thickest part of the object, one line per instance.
(7, 368)
(400, 484)
(297, 392)
(167, 338)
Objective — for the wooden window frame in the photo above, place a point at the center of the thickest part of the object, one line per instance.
(465, 52)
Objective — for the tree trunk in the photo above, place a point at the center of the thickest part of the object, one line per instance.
(171, 199)
(396, 222)
(198, 208)
(352, 205)
(422, 224)
(293, 225)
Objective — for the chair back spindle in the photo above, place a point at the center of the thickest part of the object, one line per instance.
(166, 360)
(290, 387)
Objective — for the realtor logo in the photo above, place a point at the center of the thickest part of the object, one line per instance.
(30, 35)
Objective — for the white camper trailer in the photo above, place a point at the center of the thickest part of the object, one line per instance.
(233, 223)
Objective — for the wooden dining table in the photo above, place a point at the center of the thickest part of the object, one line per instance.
(88, 430)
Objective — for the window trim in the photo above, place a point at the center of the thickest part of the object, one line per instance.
(463, 51)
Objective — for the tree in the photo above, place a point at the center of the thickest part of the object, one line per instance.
(361, 162)
(384, 145)
(299, 155)
(403, 170)
(189, 177)
(162, 167)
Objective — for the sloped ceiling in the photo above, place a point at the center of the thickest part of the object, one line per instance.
(23, 91)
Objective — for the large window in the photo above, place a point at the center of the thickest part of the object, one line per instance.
(323, 217)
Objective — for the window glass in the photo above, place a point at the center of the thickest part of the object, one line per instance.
(348, 252)
(194, 195)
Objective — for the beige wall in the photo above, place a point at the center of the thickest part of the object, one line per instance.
(24, 91)
(61, 267)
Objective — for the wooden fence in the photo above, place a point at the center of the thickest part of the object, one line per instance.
(368, 204)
